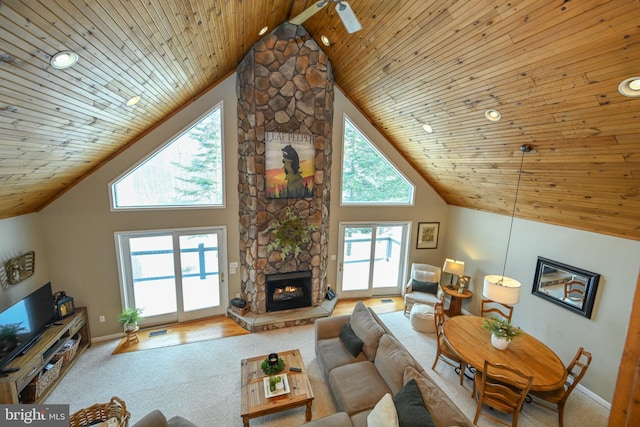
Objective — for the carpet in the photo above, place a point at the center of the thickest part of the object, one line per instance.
(200, 381)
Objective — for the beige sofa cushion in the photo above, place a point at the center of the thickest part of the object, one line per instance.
(357, 387)
(333, 353)
(442, 410)
(367, 329)
(391, 360)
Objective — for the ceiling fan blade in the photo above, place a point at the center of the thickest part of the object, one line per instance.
(308, 12)
(349, 19)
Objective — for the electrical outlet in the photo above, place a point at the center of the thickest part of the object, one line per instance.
(102, 319)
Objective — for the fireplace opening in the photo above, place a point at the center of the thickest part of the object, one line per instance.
(288, 290)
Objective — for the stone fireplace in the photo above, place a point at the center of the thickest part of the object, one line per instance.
(285, 85)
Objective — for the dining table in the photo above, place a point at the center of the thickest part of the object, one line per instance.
(525, 353)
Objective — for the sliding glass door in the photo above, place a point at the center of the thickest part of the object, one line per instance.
(372, 259)
(173, 275)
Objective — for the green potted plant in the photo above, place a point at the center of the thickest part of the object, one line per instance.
(502, 332)
(289, 235)
(130, 318)
(9, 336)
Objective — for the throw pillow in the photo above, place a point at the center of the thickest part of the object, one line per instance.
(424, 276)
(383, 414)
(440, 407)
(367, 329)
(350, 340)
(410, 407)
(428, 287)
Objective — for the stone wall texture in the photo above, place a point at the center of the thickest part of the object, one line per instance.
(285, 84)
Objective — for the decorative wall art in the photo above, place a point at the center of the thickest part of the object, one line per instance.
(428, 235)
(20, 268)
(289, 164)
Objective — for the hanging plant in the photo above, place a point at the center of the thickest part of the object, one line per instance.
(289, 235)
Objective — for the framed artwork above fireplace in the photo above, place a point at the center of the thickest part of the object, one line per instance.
(289, 164)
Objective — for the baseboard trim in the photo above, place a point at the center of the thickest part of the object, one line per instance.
(594, 396)
(107, 337)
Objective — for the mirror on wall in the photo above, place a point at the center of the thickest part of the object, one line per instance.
(569, 287)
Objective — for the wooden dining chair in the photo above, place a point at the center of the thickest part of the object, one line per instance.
(502, 388)
(490, 306)
(575, 371)
(574, 290)
(443, 351)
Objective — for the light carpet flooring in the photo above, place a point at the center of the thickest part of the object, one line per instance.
(201, 381)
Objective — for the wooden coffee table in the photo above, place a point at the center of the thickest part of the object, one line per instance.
(254, 403)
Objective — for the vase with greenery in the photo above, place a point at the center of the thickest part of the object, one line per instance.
(289, 235)
(502, 332)
(272, 369)
(130, 318)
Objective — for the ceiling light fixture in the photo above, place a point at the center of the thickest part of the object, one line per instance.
(64, 59)
(427, 128)
(133, 101)
(497, 287)
(325, 40)
(630, 87)
(493, 115)
(263, 30)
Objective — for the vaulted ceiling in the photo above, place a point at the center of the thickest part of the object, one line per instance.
(551, 68)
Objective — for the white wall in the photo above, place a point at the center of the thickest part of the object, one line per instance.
(78, 228)
(19, 236)
(480, 239)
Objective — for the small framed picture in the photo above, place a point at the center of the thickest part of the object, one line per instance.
(463, 282)
(427, 235)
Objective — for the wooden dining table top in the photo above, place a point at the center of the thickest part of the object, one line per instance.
(472, 343)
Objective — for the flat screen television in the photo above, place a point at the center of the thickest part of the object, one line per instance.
(22, 324)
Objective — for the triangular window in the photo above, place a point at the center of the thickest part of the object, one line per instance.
(367, 176)
(186, 172)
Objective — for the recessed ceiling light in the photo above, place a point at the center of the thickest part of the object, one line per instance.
(630, 87)
(493, 115)
(263, 30)
(64, 59)
(133, 101)
(325, 40)
(427, 128)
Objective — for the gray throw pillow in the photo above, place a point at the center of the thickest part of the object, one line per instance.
(428, 287)
(410, 407)
(350, 340)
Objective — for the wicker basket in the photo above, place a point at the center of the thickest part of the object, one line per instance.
(116, 408)
(68, 354)
(39, 384)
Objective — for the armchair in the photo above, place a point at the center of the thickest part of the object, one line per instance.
(423, 286)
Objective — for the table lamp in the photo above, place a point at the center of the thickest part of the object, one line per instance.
(455, 268)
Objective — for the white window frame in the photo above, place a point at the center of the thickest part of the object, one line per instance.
(170, 140)
(381, 154)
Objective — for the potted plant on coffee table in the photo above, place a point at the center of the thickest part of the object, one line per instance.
(502, 332)
(130, 318)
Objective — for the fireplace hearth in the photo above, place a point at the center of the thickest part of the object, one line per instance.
(286, 291)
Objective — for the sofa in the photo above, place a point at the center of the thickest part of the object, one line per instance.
(156, 418)
(360, 381)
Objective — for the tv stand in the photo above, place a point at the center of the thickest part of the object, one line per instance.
(21, 370)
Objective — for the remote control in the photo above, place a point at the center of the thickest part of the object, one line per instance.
(292, 369)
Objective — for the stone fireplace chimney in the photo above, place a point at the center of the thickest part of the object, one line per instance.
(285, 84)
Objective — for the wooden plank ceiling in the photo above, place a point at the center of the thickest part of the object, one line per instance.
(551, 67)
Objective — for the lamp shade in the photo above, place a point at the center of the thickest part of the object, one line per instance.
(501, 289)
(453, 267)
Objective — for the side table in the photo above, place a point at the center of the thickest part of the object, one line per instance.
(132, 336)
(455, 305)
